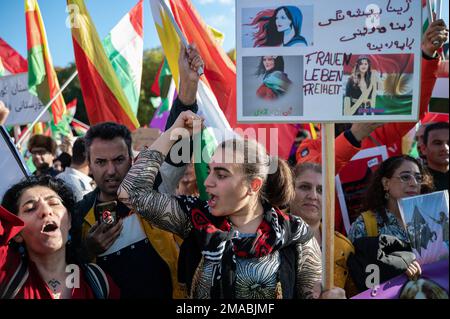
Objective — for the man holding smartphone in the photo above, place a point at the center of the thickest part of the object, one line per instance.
(141, 259)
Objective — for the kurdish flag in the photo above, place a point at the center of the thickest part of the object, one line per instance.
(164, 87)
(218, 85)
(11, 62)
(396, 78)
(207, 102)
(124, 47)
(103, 95)
(42, 80)
(79, 127)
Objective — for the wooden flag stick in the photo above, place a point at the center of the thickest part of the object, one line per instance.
(328, 182)
(177, 29)
(30, 129)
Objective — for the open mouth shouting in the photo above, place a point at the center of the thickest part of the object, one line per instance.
(212, 202)
(49, 228)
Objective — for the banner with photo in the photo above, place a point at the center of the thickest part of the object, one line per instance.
(328, 61)
(12, 165)
(432, 284)
(24, 107)
(426, 220)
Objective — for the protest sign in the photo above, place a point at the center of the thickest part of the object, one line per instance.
(433, 284)
(353, 180)
(12, 166)
(24, 107)
(426, 220)
(144, 137)
(328, 61)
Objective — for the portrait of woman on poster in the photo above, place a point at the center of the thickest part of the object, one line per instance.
(279, 27)
(361, 89)
(275, 82)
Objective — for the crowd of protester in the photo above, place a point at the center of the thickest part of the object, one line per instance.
(136, 227)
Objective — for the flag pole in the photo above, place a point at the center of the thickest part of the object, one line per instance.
(177, 29)
(328, 181)
(438, 9)
(25, 135)
(431, 19)
(16, 132)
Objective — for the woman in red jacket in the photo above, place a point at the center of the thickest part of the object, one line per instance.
(35, 260)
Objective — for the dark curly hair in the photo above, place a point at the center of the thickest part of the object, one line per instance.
(11, 198)
(375, 195)
(108, 131)
(279, 66)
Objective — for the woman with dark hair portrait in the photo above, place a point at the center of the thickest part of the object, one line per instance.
(35, 251)
(361, 90)
(275, 82)
(279, 27)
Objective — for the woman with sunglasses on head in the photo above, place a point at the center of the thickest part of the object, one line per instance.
(381, 226)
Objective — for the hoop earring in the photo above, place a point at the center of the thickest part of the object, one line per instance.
(386, 195)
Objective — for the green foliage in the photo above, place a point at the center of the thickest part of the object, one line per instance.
(72, 91)
(151, 63)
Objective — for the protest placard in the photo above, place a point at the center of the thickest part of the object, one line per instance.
(12, 166)
(353, 180)
(426, 221)
(144, 137)
(328, 61)
(24, 107)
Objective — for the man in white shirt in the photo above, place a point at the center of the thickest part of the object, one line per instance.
(76, 176)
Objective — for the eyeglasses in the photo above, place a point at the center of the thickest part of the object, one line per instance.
(406, 178)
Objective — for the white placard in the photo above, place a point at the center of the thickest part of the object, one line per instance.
(12, 165)
(24, 107)
(328, 61)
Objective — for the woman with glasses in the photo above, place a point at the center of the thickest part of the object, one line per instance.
(381, 226)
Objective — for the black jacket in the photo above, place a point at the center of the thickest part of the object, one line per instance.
(390, 254)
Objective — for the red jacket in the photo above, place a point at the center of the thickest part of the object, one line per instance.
(34, 287)
(390, 134)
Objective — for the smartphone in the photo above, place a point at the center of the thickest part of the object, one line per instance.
(107, 212)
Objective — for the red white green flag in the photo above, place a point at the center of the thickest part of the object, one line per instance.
(42, 80)
(103, 95)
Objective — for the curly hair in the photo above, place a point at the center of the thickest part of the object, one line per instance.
(108, 131)
(375, 195)
(11, 198)
(279, 66)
